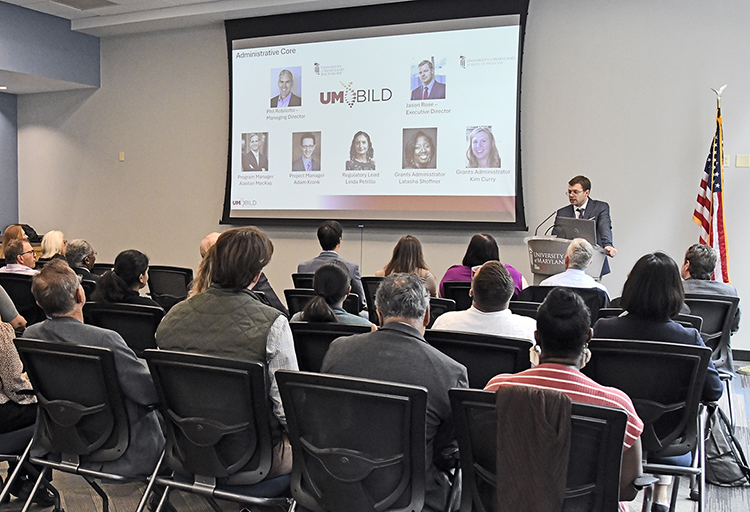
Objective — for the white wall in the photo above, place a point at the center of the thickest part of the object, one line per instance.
(619, 91)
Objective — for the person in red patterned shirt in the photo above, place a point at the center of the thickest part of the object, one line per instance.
(563, 332)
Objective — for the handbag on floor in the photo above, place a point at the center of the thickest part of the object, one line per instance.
(726, 464)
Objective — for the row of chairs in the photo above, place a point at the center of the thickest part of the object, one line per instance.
(358, 444)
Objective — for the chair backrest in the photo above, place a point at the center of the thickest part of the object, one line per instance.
(438, 306)
(593, 480)
(136, 323)
(483, 355)
(100, 268)
(166, 280)
(88, 287)
(297, 299)
(595, 298)
(717, 312)
(303, 280)
(685, 320)
(18, 288)
(520, 307)
(81, 414)
(311, 341)
(458, 291)
(664, 381)
(216, 414)
(357, 444)
(370, 285)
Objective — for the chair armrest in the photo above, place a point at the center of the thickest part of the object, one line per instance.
(644, 481)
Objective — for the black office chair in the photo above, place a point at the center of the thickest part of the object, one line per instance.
(100, 268)
(665, 382)
(458, 291)
(593, 478)
(297, 299)
(685, 320)
(18, 288)
(218, 430)
(529, 309)
(88, 288)
(370, 285)
(303, 280)
(136, 323)
(82, 419)
(358, 444)
(311, 341)
(438, 306)
(717, 312)
(595, 298)
(169, 285)
(483, 355)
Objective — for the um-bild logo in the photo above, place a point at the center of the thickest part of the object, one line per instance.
(350, 95)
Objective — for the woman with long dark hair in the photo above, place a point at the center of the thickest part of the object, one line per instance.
(124, 282)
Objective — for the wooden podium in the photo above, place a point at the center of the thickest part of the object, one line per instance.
(547, 257)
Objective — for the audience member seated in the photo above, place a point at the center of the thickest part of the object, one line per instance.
(124, 282)
(698, 272)
(9, 313)
(332, 285)
(81, 258)
(652, 295)
(17, 411)
(58, 291)
(12, 232)
(20, 258)
(227, 320)
(562, 335)
(398, 353)
(330, 235)
(408, 259)
(578, 257)
(491, 290)
(261, 286)
(53, 246)
(482, 248)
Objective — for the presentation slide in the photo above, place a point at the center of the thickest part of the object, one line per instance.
(406, 122)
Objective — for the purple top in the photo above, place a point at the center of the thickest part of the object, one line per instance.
(463, 273)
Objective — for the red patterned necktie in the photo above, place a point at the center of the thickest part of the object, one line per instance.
(424, 93)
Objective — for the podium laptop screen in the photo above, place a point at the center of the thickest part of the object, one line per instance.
(571, 228)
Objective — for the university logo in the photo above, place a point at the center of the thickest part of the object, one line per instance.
(350, 96)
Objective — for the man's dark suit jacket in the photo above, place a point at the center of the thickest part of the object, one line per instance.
(263, 285)
(86, 274)
(399, 353)
(310, 266)
(299, 165)
(713, 288)
(294, 101)
(437, 92)
(249, 162)
(631, 327)
(599, 211)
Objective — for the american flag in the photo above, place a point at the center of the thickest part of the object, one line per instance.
(709, 213)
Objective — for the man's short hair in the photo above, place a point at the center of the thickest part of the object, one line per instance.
(76, 251)
(402, 295)
(492, 287)
(238, 256)
(562, 323)
(306, 135)
(286, 72)
(701, 260)
(579, 253)
(428, 62)
(583, 180)
(14, 249)
(329, 234)
(54, 288)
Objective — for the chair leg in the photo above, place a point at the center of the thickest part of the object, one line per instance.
(37, 484)
(212, 503)
(150, 485)
(675, 492)
(728, 386)
(12, 477)
(648, 497)
(164, 499)
(100, 492)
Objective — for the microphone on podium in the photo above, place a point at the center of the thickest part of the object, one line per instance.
(545, 220)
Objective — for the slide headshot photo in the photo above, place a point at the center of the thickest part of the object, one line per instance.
(482, 151)
(288, 83)
(255, 151)
(361, 153)
(420, 148)
(306, 151)
(425, 83)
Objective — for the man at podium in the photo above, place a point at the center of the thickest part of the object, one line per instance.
(581, 207)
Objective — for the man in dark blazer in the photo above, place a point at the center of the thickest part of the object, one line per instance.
(434, 90)
(286, 82)
(329, 236)
(399, 353)
(306, 162)
(81, 258)
(253, 159)
(581, 207)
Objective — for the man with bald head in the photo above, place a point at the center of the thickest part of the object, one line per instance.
(261, 286)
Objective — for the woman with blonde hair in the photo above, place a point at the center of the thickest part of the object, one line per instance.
(482, 151)
(53, 245)
(408, 258)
